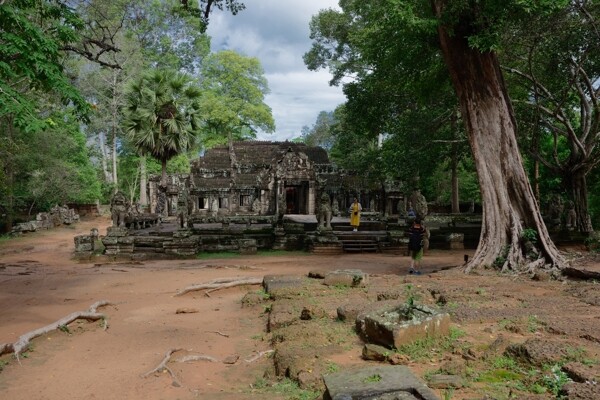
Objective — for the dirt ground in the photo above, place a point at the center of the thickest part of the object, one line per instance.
(40, 283)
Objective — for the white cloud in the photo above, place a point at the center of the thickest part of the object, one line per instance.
(277, 33)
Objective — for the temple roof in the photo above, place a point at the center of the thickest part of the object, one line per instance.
(257, 153)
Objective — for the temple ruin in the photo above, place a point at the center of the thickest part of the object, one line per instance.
(270, 178)
(256, 195)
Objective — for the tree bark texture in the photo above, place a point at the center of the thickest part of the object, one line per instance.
(114, 123)
(509, 204)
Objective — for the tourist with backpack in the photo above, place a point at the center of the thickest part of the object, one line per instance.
(416, 238)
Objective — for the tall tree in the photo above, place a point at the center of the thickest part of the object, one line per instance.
(320, 134)
(234, 89)
(162, 115)
(33, 35)
(559, 74)
(464, 35)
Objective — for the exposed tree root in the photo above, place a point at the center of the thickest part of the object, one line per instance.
(218, 333)
(163, 366)
(196, 357)
(259, 355)
(167, 358)
(221, 283)
(24, 340)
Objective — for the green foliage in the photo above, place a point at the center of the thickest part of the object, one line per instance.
(501, 259)
(169, 37)
(321, 133)
(52, 166)
(430, 346)
(286, 388)
(3, 363)
(162, 114)
(234, 88)
(331, 367)
(530, 235)
(33, 34)
(372, 378)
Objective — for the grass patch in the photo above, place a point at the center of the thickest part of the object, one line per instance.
(372, 379)
(428, 347)
(504, 375)
(215, 255)
(286, 388)
(271, 253)
(6, 237)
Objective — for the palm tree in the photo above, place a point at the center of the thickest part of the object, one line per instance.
(162, 115)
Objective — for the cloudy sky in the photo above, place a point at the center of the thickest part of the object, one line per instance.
(276, 32)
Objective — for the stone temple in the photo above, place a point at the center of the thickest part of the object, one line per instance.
(257, 195)
(271, 178)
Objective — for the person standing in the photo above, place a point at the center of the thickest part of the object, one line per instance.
(416, 236)
(355, 210)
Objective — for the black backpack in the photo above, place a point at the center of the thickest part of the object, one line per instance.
(415, 238)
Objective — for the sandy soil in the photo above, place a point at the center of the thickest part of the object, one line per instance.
(40, 283)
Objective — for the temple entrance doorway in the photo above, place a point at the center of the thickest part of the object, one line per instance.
(296, 197)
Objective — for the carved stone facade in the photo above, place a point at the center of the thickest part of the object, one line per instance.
(269, 178)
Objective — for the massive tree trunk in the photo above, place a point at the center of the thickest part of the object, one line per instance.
(578, 185)
(509, 204)
(108, 178)
(114, 123)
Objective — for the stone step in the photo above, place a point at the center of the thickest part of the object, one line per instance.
(360, 245)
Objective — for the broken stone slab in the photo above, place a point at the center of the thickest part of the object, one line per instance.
(400, 325)
(274, 283)
(538, 351)
(346, 277)
(442, 381)
(581, 373)
(375, 352)
(116, 231)
(580, 391)
(389, 382)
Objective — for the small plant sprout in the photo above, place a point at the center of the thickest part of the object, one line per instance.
(372, 378)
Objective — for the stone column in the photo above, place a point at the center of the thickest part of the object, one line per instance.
(311, 198)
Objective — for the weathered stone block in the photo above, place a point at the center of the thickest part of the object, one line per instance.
(346, 277)
(455, 241)
(390, 382)
(116, 231)
(109, 241)
(272, 283)
(400, 325)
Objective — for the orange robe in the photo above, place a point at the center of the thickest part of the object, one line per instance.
(355, 210)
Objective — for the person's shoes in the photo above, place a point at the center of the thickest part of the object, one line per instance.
(417, 272)
(354, 230)
(412, 271)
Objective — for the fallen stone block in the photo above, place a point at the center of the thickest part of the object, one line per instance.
(391, 382)
(400, 325)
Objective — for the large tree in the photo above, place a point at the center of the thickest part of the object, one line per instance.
(162, 115)
(464, 35)
(558, 73)
(234, 90)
